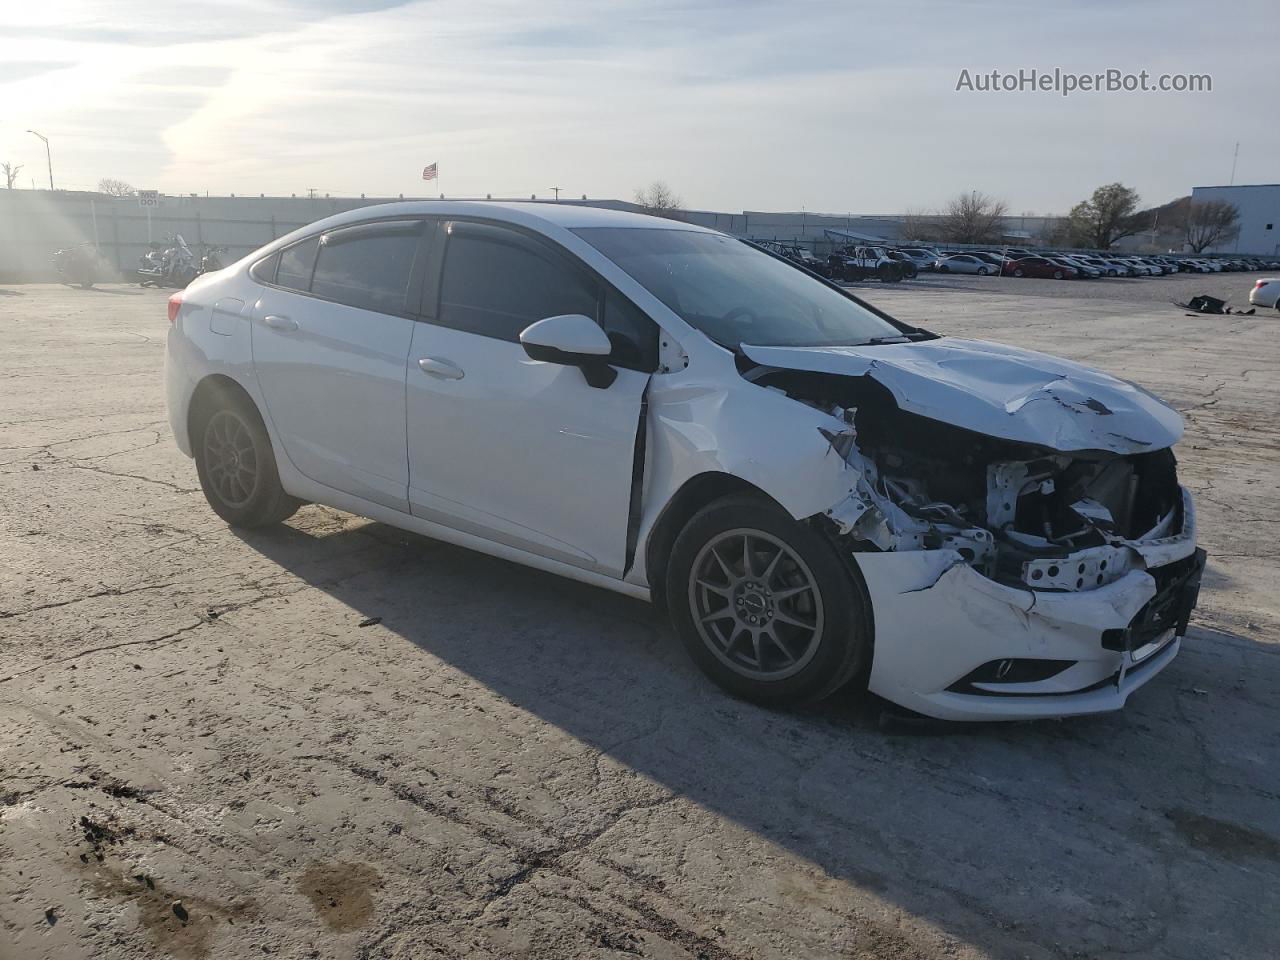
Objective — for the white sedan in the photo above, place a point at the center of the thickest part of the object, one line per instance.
(816, 493)
(1266, 293)
(963, 263)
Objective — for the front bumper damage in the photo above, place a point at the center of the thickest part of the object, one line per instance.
(951, 643)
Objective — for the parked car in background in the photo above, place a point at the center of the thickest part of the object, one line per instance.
(814, 492)
(922, 257)
(859, 262)
(910, 269)
(1041, 267)
(1105, 267)
(1084, 271)
(1140, 268)
(963, 263)
(994, 259)
(1266, 293)
(795, 254)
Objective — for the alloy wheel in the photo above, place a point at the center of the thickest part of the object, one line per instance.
(230, 457)
(756, 604)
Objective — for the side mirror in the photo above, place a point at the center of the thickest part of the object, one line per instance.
(574, 340)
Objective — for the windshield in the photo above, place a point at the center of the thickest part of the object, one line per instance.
(734, 293)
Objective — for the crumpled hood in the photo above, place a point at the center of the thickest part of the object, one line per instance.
(1000, 391)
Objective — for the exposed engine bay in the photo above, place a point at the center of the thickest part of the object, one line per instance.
(1019, 513)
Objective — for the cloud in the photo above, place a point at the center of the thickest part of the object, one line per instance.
(829, 105)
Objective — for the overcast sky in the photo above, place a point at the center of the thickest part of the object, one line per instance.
(836, 107)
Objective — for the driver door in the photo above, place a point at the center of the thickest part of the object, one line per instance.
(522, 452)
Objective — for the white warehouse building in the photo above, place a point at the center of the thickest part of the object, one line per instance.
(1259, 206)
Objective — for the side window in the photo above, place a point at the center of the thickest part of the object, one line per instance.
(496, 282)
(633, 335)
(264, 271)
(368, 266)
(296, 264)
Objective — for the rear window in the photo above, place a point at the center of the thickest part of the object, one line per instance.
(264, 271)
(296, 264)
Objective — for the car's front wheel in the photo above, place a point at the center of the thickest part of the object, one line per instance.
(764, 605)
(983, 271)
(237, 468)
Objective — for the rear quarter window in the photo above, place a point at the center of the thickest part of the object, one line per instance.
(264, 271)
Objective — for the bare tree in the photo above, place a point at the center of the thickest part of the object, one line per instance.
(116, 188)
(10, 173)
(1208, 223)
(1105, 217)
(921, 225)
(973, 217)
(659, 200)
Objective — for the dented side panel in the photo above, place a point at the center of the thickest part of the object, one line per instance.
(723, 424)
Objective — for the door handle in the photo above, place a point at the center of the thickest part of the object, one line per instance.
(279, 323)
(440, 368)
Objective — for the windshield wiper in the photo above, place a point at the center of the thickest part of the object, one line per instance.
(876, 341)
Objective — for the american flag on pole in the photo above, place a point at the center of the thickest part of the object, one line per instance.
(429, 173)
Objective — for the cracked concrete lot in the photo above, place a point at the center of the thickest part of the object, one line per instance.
(205, 754)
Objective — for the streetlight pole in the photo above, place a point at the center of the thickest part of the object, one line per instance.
(557, 192)
(47, 155)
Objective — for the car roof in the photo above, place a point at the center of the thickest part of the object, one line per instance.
(566, 215)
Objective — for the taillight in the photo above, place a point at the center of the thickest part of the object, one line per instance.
(1261, 283)
(175, 304)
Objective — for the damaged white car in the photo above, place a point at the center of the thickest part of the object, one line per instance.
(817, 493)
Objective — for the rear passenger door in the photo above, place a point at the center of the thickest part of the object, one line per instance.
(521, 452)
(331, 335)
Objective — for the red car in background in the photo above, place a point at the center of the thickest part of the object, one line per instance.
(1038, 267)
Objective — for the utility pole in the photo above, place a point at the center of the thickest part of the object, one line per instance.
(311, 193)
(1234, 158)
(47, 155)
(557, 192)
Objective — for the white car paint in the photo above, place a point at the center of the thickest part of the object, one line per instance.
(1001, 391)
(522, 460)
(963, 263)
(1266, 293)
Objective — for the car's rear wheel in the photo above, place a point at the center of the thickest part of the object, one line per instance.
(1017, 273)
(237, 468)
(1057, 275)
(764, 605)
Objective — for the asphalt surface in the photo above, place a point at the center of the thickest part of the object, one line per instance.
(334, 740)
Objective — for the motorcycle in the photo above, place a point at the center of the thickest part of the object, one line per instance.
(76, 265)
(211, 260)
(172, 266)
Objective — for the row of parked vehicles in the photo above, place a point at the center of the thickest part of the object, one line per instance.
(892, 264)
(850, 263)
(1017, 262)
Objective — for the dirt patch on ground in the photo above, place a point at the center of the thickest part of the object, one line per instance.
(178, 924)
(1224, 838)
(341, 893)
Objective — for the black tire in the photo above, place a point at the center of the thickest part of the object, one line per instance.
(944, 269)
(252, 497)
(983, 271)
(1058, 275)
(1017, 273)
(824, 653)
